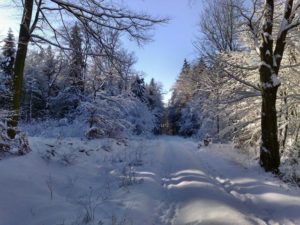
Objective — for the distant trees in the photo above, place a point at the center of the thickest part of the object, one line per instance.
(99, 19)
(107, 107)
(179, 98)
(187, 109)
(42, 83)
(151, 95)
(155, 104)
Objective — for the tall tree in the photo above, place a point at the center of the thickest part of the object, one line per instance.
(179, 98)
(76, 59)
(24, 38)
(271, 56)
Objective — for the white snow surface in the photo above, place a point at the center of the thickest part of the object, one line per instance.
(169, 182)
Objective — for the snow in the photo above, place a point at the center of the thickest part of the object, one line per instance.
(161, 181)
(275, 80)
(264, 149)
(263, 63)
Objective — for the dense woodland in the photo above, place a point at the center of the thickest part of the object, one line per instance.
(110, 97)
(243, 87)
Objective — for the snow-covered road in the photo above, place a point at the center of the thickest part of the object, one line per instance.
(176, 184)
(208, 186)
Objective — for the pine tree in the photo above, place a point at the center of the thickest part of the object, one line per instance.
(155, 104)
(180, 96)
(8, 53)
(76, 59)
(138, 88)
(6, 64)
(186, 67)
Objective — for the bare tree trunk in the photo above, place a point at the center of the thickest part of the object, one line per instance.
(269, 149)
(269, 70)
(269, 152)
(24, 37)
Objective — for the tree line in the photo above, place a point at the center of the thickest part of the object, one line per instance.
(80, 71)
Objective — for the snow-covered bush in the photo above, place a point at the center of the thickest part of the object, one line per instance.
(74, 126)
(115, 116)
(106, 116)
(64, 103)
(290, 166)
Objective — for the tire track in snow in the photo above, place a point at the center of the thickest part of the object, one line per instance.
(187, 179)
(232, 188)
(202, 187)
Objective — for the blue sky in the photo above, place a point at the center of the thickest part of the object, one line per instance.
(162, 58)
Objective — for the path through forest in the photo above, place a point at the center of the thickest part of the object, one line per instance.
(161, 181)
(209, 186)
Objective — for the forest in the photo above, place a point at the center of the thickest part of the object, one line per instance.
(91, 141)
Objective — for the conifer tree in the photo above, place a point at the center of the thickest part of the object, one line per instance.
(76, 59)
(6, 64)
(138, 88)
(8, 53)
(155, 104)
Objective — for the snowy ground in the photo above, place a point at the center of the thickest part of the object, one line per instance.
(164, 181)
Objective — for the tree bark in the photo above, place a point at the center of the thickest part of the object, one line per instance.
(270, 65)
(269, 149)
(24, 37)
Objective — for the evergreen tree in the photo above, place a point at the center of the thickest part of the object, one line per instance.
(76, 59)
(155, 104)
(6, 65)
(8, 53)
(138, 88)
(186, 67)
(180, 96)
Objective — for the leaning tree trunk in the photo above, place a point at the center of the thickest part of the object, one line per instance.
(24, 37)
